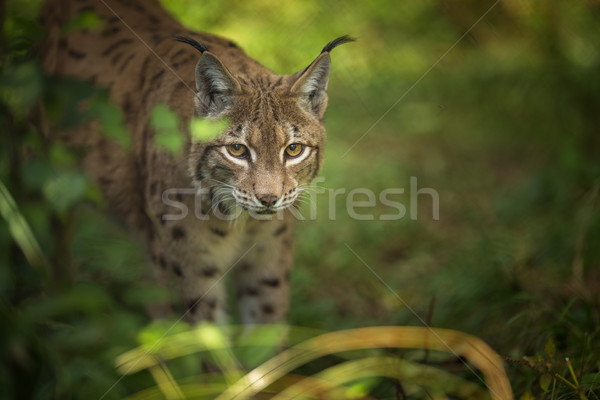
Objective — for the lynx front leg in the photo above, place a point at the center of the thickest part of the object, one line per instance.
(187, 253)
(262, 278)
(193, 270)
(203, 294)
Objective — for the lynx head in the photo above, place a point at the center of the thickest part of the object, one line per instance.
(273, 145)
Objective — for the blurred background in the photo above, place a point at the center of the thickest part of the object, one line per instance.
(494, 105)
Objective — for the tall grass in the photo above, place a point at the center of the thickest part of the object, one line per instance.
(276, 375)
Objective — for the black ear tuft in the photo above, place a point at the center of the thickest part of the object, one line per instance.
(311, 83)
(193, 42)
(336, 42)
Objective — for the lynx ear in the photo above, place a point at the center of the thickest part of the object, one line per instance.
(311, 86)
(311, 83)
(215, 85)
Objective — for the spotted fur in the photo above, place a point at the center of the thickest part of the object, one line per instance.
(145, 57)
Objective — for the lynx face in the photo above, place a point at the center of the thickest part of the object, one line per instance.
(262, 165)
(271, 149)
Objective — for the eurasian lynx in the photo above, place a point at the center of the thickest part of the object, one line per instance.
(271, 148)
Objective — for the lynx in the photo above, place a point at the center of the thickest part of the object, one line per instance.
(270, 150)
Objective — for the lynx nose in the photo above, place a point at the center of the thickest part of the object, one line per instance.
(267, 199)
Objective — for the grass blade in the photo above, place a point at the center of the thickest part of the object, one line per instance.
(436, 380)
(20, 230)
(469, 347)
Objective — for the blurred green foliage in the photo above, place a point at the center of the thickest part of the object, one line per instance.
(165, 123)
(503, 124)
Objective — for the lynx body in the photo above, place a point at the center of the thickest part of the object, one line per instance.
(271, 148)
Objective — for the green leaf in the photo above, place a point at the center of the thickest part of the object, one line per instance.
(65, 189)
(20, 86)
(86, 20)
(171, 141)
(205, 129)
(550, 348)
(163, 117)
(165, 123)
(63, 157)
(527, 396)
(545, 382)
(111, 121)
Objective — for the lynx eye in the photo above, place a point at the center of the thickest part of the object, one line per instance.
(237, 150)
(294, 150)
